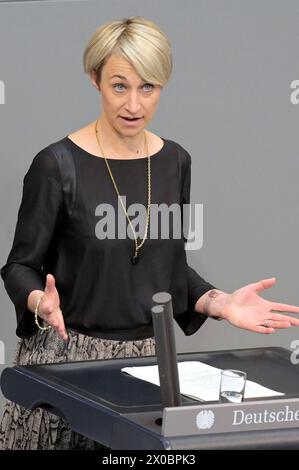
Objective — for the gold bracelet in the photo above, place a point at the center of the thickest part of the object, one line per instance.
(36, 318)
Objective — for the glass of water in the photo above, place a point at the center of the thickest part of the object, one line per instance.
(232, 386)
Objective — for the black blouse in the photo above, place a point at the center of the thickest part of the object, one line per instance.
(101, 292)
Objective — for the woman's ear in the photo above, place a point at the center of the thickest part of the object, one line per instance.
(93, 78)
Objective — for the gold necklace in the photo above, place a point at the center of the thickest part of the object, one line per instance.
(134, 258)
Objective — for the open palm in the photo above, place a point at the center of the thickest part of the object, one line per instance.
(244, 308)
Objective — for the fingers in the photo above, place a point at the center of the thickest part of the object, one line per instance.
(59, 327)
(280, 322)
(284, 307)
(277, 324)
(55, 319)
(63, 333)
(269, 327)
(284, 318)
(50, 284)
(264, 284)
(263, 329)
(61, 330)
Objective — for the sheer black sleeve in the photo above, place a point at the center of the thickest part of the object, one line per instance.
(190, 321)
(37, 220)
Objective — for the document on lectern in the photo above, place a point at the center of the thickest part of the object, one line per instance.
(199, 381)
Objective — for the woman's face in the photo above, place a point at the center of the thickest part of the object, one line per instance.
(126, 95)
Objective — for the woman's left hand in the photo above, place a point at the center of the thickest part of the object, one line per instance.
(245, 309)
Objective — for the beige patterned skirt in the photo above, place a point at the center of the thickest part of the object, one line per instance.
(22, 429)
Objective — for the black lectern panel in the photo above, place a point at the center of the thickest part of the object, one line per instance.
(120, 411)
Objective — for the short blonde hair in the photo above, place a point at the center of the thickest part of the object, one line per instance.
(138, 40)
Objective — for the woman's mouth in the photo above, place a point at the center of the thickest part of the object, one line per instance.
(130, 121)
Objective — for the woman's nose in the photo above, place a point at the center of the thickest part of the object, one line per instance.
(133, 103)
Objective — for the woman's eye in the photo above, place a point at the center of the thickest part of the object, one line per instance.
(149, 84)
(117, 85)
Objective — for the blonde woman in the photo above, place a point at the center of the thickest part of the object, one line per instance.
(79, 295)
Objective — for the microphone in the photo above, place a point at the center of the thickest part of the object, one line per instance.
(162, 315)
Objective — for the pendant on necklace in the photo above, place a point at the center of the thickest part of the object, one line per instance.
(135, 259)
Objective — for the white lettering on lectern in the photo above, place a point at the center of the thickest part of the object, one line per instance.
(266, 416)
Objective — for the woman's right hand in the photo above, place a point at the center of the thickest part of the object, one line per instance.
(49, 308)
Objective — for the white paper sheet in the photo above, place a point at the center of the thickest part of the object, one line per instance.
(199, 381)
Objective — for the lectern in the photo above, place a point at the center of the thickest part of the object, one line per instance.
(123, 412)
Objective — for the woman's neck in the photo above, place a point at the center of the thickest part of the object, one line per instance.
(120, 146)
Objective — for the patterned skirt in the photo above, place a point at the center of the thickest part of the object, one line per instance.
(22, 429)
